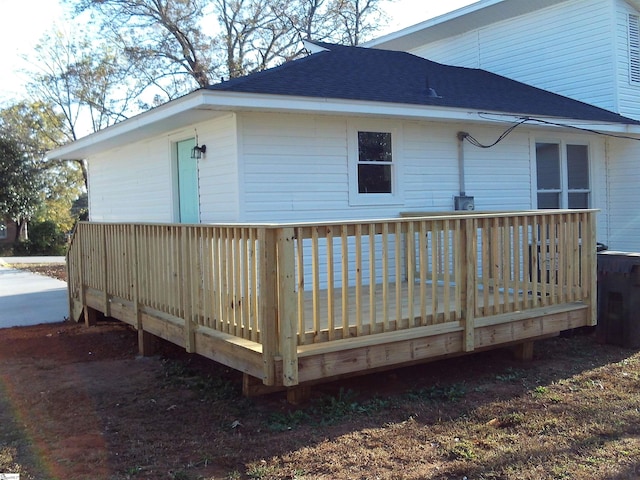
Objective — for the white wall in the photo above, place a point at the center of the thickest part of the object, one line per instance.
(628, 93)
(137, 182)
(624, 181)
(567, 48)
(132, 183)
(218, 171)
(296, 167)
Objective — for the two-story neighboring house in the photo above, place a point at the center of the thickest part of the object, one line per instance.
(588, 50)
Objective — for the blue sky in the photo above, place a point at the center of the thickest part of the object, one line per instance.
(24, 22)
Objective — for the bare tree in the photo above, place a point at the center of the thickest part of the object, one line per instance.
(84, 85)
(256, 34)
(160, 36)
(358, 19)
(86, 81)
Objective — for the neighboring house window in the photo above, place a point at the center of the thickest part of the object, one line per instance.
(3, 230)
(374, 165)
(563, 175)
(634, 48)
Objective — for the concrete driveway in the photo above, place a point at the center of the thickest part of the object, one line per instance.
(29, 299)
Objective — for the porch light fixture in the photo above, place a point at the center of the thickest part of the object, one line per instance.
(198, 151)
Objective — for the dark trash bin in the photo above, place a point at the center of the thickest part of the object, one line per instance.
(619, 298)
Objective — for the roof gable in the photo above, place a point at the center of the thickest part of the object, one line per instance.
(374, 75)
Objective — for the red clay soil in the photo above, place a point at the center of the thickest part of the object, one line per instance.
(77, 402)
(85, 406)
(91, 409)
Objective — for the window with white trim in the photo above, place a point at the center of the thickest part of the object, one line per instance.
(634, 48)
(3, 230)
(375, 162)
(374, 166)
(563, 179)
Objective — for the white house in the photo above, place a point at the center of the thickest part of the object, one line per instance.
(304, 141)
(347, 133)
(588, 50)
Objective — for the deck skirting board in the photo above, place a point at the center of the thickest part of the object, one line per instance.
(327, 362)
(342, 357)
(237, 353)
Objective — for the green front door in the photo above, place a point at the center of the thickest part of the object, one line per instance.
(188, 197)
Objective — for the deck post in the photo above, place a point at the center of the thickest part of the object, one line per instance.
(105, 269)
(146, 341)
(69, 279)
(287, 306)
(268, 304)
(469, 252)
(82, 288)
(186, 285)
(591, 259)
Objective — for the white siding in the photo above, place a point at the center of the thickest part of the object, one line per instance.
(624, 180)
(132, 183)
(280, 168)
(137, 182)
(296, 168)
(499, 177)
(566, 49)
(218, 171)
(629, 94)
(461, 50)
(431, 169)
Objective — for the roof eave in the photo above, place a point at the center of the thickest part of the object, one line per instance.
(145, 124)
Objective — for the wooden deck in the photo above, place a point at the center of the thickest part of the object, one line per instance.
(292, 304)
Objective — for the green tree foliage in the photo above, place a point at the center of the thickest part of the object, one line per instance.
(45, 238)
(21, 181)
(50, 186)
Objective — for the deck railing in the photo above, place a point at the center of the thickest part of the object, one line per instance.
(287, 288)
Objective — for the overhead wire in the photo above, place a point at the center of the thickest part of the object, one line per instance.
(473, 141)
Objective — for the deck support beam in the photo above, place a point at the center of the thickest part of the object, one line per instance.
(523, 351)
(299, 395)
(90, 316)
(147, 343)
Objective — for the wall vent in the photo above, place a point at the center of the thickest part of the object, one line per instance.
(634, 48)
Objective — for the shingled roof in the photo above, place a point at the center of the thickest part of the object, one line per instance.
(368, 74)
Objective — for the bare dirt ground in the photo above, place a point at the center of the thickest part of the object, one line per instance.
(77, 403)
